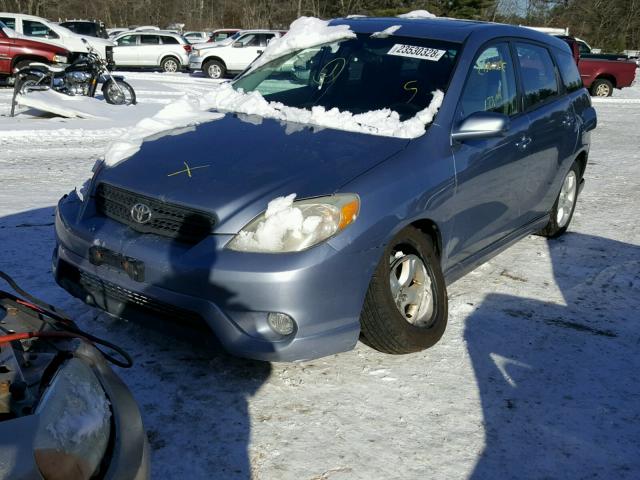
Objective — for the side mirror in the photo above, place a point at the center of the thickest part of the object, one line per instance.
(238, 45)
(481, 125)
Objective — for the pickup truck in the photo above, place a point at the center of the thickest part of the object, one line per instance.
(602, 73)
(17, 51)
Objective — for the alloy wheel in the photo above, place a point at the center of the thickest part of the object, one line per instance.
(411, 289)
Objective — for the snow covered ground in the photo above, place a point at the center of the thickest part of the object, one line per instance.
(537, 375)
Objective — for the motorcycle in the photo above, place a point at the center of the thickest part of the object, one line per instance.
(78, 78)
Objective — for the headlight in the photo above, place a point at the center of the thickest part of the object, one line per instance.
(74, 424)
(195, 52)
(290, 226)
(59, 59)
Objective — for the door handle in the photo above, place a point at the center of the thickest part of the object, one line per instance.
(524, 142)
(260, 51)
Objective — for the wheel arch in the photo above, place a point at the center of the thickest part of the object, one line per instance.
(170, 55)
(606, 76)
(430, 228)
(581, 160)
(22, 58)
(213, 57)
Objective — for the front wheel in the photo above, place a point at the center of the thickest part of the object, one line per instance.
(24, 83)
(405, 308)
(118, 92)
(214, 69)
(565, 205)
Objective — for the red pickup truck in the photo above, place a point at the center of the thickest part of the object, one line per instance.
(16, 52)
(599, 74)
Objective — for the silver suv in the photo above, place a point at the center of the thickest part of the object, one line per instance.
(233, 54)
(168, 51)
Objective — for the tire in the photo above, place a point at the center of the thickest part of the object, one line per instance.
(214, 69)
(562, 212)
(601, 88)
(125, 95)
(170, 65)
(383, 326)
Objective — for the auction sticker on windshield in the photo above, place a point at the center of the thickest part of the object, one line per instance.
(411, 51)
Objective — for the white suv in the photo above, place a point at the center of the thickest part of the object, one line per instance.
(231, 55)
(168, 51)
(48, 32)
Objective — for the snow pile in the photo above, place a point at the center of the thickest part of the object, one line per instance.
(305, 32)
(87, 416)
(386, 32)
(282, 221)
(181, 113)
(417, 14)
(64, 105)
(383, 122)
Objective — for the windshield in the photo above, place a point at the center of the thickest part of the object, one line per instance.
(358, 75)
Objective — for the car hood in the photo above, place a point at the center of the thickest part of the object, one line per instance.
(57, 48)
(238, 164)
(39, 43)
(95, 41)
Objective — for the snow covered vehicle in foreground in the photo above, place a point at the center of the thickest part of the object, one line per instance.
(356, 169)
(64, 414)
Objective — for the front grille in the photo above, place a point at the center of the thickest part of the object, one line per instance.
(168, 220)
(81, 283)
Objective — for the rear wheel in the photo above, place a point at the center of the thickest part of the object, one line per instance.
(602, 88)
(405, 307)
(565, 205)
(119, 92)
(170, 65)
(214, 69)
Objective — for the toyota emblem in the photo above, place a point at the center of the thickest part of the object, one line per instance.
(141, 213)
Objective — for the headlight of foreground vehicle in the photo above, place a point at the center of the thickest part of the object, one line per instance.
(74, 424)
(59, 59)
(288, 226)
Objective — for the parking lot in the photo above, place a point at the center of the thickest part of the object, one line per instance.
(537, 371)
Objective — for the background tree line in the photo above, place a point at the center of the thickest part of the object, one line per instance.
(613, 25)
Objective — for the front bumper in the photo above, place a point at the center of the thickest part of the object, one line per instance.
(322, 289)
(195, 62)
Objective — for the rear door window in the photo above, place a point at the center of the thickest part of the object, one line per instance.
(569, 71)
(491, 86)
(539, 78)
(149, 40)
(169, 41)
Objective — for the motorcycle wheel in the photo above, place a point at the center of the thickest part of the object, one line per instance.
(119, 92)
(24, 83)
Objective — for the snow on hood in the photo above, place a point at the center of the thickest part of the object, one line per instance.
(225, 98)
(305, 32)
(417, 14)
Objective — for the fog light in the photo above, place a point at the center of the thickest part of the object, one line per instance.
(281, 323)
